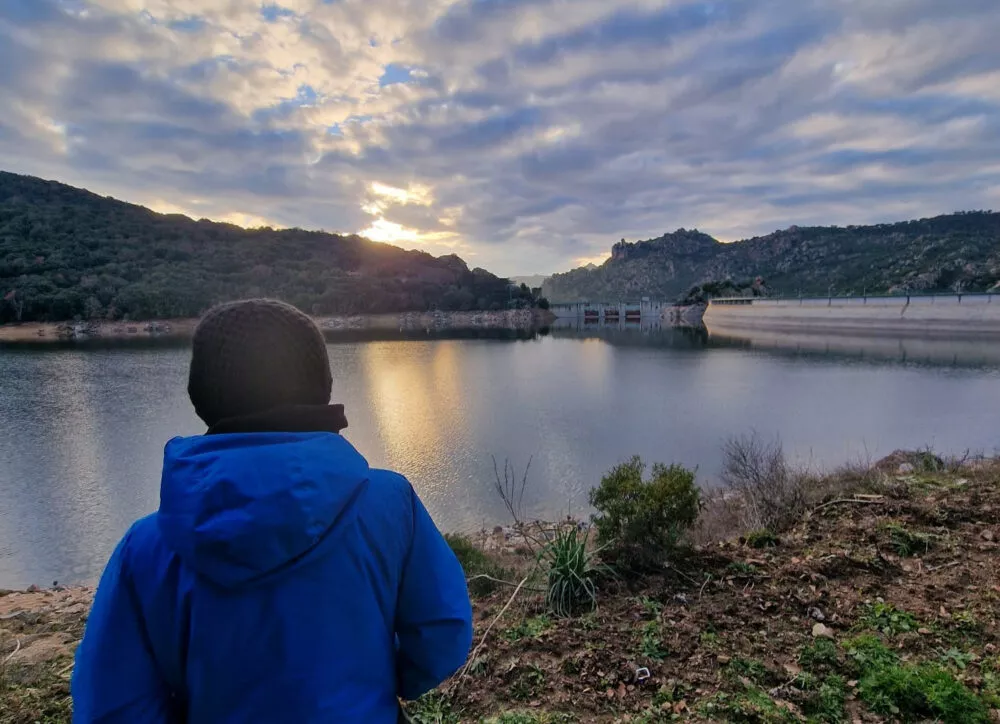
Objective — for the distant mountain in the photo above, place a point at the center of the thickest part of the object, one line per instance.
(67, 253)
(532, 281)
(946, 253)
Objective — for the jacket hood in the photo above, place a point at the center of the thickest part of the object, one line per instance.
(242, 508)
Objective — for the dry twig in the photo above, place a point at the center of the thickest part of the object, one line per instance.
(486, 633)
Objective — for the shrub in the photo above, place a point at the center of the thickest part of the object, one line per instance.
(571, 573)
(532, 628)
(652, 642)
(887, 619)
(471, 556)
(820, 654)
(827, 703)
(761, 539)
(770, 494)
(921, 692)
(911, 692)
(431, 708)
(907, 543)
(475, 562)
(643, 520)
(749, 706)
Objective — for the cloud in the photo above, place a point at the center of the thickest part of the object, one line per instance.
(527, 135)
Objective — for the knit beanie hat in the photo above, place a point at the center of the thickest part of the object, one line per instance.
(254, 356)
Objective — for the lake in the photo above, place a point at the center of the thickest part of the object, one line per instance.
(83, 428)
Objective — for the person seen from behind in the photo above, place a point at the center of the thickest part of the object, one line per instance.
(282, 579)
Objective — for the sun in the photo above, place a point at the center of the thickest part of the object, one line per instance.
(389, 232)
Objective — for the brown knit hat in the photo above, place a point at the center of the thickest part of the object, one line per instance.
(254, 356)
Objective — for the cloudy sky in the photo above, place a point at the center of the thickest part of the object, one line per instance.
(524, 135)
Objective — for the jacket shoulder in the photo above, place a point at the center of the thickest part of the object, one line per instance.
(143, 548)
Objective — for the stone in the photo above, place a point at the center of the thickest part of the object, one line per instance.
(822, 632)
(905, 469)
(988, 535)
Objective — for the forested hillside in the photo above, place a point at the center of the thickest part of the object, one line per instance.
(68, 253)
(958, 252)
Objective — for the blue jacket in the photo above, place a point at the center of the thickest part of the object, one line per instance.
(282, 580)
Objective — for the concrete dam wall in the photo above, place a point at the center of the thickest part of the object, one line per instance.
(950, 315)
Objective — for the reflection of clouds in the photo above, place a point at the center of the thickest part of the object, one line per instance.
(82, 432)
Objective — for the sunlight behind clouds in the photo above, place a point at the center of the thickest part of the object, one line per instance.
(531, 134)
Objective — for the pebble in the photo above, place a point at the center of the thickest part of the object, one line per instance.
(822, 632)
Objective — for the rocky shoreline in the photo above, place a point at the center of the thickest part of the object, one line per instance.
(182, 329)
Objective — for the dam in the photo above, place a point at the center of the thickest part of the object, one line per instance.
(907, 315)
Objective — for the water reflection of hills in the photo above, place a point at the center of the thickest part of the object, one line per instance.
(936, 351)
(939, 351)
(629, 334)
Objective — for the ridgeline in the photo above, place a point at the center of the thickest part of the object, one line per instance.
(958, 252)
(66, 253)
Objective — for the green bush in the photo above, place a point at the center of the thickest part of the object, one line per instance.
(643, 520)
(475, 563)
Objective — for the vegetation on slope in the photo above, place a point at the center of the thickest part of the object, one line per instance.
(66, 253)
(958, 252)
(874, 598)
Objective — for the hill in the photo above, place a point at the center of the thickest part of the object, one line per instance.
(67, 253)
(532, 281)
(957, 252)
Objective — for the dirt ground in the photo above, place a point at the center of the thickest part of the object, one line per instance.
(760, 630)
(721, 635)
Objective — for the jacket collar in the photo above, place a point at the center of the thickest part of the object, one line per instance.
(295, 418)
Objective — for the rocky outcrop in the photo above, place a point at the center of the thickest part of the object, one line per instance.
(687, 315)
(954, 253)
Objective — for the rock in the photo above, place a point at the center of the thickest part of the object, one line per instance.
(822, 632)
(988, 535)
(816, 615)
(905, 469)
(924, 631)
(723, 659)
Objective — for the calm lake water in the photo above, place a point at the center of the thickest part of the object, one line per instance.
(82, 430)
